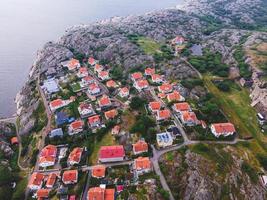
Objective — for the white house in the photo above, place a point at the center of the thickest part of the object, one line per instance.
(164, 139)
(222, 129)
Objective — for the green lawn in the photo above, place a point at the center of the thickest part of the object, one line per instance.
(75, 87)
(149, 46)
(236, 105)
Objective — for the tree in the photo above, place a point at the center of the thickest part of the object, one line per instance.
(223, 86)
(137, 103)
(117, 73)
(6, 176)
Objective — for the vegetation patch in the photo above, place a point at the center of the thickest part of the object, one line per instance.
(210, 62)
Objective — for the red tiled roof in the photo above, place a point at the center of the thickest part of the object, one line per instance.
(36, 179)
(98, 67)
(111, 114)
(91, 60)
(75, 155)
(140, 146)
(42, 193)
(103, 74)
(142, 83)
(182, 106)
(52, 177)
(165, 88)
(98, 171)
(76, 124)
(156, 77)
(149, 71)
(109, 194)
(175, 96)
(14, 140)
(96, 193)
(155, 105)
(93, 86)
(137, 75)
(73, 62)
(83, 70)
(111, 84)
(56, 103)
(142, 163)
(49, 150)
(162, 95)
(111, 151)
(189, 116)
(124, 90)
(164, 114)
(88, 78)
(94, 119)
(70, 176)
(104, 101)
(224, 127)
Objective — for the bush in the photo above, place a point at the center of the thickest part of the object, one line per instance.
(223, 86)
(210, 62)
(137, 103)
(250, 172)
(262, 158)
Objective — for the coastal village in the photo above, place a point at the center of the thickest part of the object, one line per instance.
(82, 99)
(162, 106)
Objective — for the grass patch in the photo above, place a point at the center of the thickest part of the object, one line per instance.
(148, 45)
(236, 105)
(107, 140)
(75, 87)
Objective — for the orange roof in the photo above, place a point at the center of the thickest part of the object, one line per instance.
(140, 146)
(70, 176)
(111, 114)
(91, 60)
(142, 163)
(94, 119)
(98, 171)
(98, 67)
(142, 83)
(156, 77)
(175, 96)
(76, 124)
(161, 95)
(56, 103)
(137, 75)
(124, 90)
(109, 194)
(164, 114)
(103, 74)
(155, 105)
(182, 106)
(51, 180)
(42, 193)
(224, 127)
(75, 155)
(165, 88)
(88, 78)
(111, 84)
(48, 154)
(104, 101)
(83, 70)
(36, 179)
(96, 193)
(73, 62)
(189, 116)
(14, 140)
(149, 71)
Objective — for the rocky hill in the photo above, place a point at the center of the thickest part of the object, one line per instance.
(219, 25)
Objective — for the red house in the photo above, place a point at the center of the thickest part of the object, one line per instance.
(111, 153)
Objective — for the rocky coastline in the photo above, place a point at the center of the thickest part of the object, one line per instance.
(108, 41)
